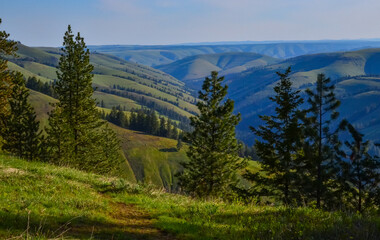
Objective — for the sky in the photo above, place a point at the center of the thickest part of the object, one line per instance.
(156, 22)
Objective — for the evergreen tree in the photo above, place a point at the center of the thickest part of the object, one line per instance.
(322, 144)
(153, 124)
(117, 117)
(45, 88)
(360, 172)
(75, 134)
(163, 127)
(21, 133)
(280, 144)
(7, 47)
(179, 144)
(213, 150)
(133, 124)
(58, 138)
(110, 147)
(169, 129)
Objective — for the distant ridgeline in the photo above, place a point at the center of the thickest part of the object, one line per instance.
(117, 83)
(166, 54)
(356, 75)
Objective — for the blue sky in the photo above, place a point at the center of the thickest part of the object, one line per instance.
(43, 22)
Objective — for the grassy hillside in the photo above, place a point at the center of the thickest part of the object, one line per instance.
(133, 85)
(41, 201)
(196, 68)
(159, 55)
(154, 160)
(354, 73)
(147, 159)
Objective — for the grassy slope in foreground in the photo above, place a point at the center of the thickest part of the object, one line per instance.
(63, 202)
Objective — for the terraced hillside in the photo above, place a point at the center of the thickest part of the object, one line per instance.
(192, 70)
(117, 82)
(354, 73)
(159, 55)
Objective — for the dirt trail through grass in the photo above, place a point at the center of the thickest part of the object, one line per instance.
(128, 222)
(138, 222)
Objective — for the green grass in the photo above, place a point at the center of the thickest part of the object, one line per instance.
(14, 67)
(42, 201)
(47, 198)
(195, 219)
(111, 101)
(154, 160)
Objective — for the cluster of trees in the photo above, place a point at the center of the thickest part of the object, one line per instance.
(75, 136)
(37, 85)
(184, 122)
(303, 155)
(304, 160)
(144, 120)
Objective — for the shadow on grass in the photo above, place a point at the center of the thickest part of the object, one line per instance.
(168, 149)
(36, 226)
(280, 224)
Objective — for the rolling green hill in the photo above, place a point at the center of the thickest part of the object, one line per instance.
(159, 55)
(192, 70)
(354, 73)
(117, 81)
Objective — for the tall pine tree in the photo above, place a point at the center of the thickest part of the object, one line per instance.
(21, 134)
(75, 135)
(7, 47)
(280, 144)
(322, 147)
(360, 173)
(213, 150)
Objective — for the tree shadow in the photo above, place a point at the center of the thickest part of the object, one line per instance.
(121, 226)
(173, 149)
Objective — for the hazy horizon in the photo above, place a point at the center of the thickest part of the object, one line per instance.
(170, 22)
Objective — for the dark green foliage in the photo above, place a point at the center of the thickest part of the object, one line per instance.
(360, 176)
(322, 144)
(247, 151)
(7, 47)
(45, 88)
(280, 145)
(179, 144)
(75, 134)
(213, 150)
(143, 120)
(110, 148)
(117, 117)
(21, 133)
(58, 138)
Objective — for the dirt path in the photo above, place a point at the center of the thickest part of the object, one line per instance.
(138, 222)
(128, 222)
